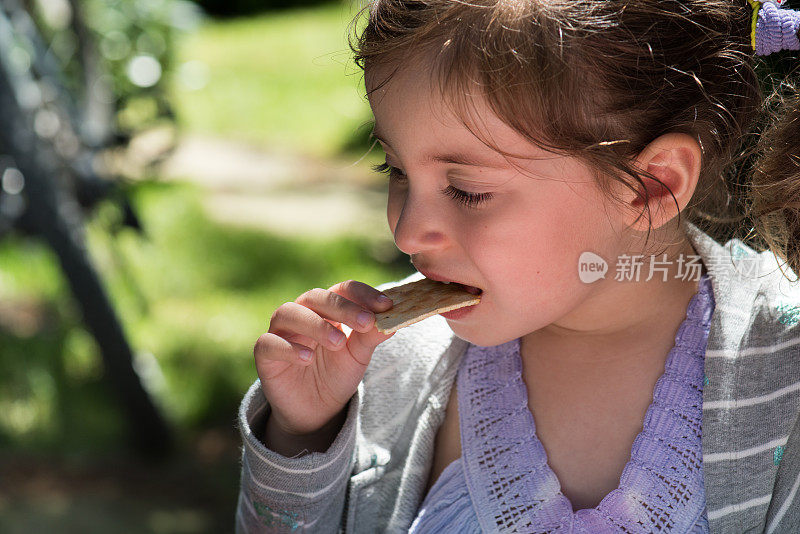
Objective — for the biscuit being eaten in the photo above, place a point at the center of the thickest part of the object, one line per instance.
(419, 300)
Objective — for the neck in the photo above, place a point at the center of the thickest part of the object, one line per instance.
(620, 323)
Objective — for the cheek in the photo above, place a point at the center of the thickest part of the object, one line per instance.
(532, 257)
(394, 206)
(507, 254)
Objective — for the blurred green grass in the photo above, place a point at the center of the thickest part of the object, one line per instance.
(282, 80)
(193, 296)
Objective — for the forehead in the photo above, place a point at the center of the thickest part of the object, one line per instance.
(410, 86)
(409, 100)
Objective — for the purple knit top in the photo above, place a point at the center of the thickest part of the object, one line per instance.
(502, 482)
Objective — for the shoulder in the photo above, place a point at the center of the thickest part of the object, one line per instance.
(775, 286)
(752, 290)
(767, 307)
(776, 310)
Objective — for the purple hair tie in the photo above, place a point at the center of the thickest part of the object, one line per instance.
(776, 29)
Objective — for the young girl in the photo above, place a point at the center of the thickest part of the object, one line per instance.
(623, 371)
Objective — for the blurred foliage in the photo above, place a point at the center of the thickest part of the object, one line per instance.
(133, 45)
(193, 297)
(283, 81)
(238, 8)
(136, 40)
(232, 8)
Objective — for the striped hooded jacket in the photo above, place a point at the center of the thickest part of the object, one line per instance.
(372, 478)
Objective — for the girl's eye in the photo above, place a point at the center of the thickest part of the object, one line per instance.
(393, 172)
(470, 200)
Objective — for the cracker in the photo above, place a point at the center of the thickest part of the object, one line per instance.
(419, 300)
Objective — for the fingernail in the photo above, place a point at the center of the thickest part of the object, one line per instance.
(305, 355)
(336, 337)
(363, 318)
(383, 299)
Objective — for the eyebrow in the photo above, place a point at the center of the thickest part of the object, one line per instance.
(453, 158)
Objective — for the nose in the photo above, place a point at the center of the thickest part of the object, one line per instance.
(417, 224)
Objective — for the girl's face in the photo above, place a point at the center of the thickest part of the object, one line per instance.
(514, 228)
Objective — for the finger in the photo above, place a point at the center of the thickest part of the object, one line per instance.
(295, 337)
(291, 319)
(363, 294)
(361, 345)
(272, 347)
(300, 339)
(335, 307)
(336, 324)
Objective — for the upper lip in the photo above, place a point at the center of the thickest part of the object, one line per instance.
(438, 277)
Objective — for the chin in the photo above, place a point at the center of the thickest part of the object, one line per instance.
(478, 336)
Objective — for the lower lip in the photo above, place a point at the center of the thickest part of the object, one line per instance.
(459, 313)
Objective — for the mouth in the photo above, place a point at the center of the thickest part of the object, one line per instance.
(470, 289)
(433, 276)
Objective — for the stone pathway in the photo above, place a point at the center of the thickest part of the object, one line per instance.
(286, 195)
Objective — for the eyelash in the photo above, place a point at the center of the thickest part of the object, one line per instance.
(470, 200)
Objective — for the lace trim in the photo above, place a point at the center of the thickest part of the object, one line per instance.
(505, 465)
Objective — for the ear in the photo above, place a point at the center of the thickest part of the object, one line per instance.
(674, 159)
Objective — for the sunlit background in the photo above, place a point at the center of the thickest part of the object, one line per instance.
(235, 136)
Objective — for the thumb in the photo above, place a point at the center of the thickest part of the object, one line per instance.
(362, 344)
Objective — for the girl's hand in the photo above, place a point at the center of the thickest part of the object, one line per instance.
(306, 394)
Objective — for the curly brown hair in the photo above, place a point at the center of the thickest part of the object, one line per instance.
(599, 80)
(774, 194)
